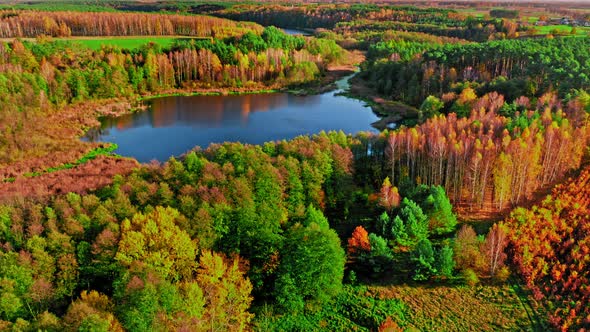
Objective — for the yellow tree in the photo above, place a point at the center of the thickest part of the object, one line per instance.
(153, 240)
(92, 312)
(226, 291)
(502, 173)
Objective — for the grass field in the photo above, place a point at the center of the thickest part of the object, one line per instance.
(124, 42)
(128, 42)
(562, 29)
(131, 42)
(464, 308)
(58, 6)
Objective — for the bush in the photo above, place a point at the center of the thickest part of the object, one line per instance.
(470, 277)
(503, 274)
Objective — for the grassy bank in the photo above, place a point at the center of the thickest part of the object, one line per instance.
(212, 92)
(90, 155)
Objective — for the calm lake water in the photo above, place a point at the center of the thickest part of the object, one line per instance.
(173, 125)
(295, 32)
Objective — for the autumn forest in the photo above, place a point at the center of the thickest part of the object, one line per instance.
(465, 207)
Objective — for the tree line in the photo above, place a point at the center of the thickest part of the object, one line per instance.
(69, 23)
(513, 68)
(346, 19)
(483, 160)
(327, 16)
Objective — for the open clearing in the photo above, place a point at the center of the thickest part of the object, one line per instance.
(562, 29)
(128, 42)
(461, 308)
(124, 42)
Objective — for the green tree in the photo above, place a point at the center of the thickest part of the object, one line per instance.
(398, 230)
(441, 219)
(15, 282)
(430, 107)
(140, 300)
(423, 258)
(251, 42)
(379, 258)
(153, 240)
(311, 267)
(415, 223)
(313, 215)
(445, 262)
(384, 225)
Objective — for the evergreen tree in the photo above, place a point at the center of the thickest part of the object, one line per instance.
(379, 258)
(415, 222)
(438, 207)
(445, 262)
(423, 258)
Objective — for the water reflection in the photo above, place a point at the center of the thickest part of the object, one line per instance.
(295, 32)
(204, 111)
(207, 111)
(173, 125)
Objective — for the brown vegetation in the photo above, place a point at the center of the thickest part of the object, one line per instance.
(550, 249)
(482, 153)
(65, 24)
(445, 308)
(84, 178)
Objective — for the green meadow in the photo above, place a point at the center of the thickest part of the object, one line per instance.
(126, 42)
(561, 29)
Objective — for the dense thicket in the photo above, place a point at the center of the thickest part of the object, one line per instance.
(67, 23)
(550, 247)
(513, 68)
(402, 47)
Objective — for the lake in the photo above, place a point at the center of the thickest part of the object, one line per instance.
(295, 32)
(173, 125)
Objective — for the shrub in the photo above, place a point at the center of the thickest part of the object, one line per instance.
(470, 277)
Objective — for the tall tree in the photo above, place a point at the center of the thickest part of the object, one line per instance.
(153, 240)
(311, 267)
(494, 248)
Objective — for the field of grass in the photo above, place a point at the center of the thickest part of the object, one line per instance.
(59, 6)
(562, 29)
(464, 308)
(125, 42)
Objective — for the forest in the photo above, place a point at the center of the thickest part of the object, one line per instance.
(470, 215)
(39, 77)
(513, 68)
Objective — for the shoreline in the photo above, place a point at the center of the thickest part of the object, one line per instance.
(77, 119)
(390, 111)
